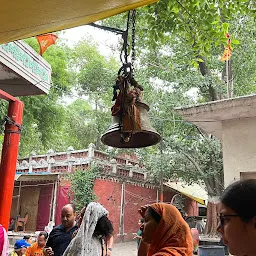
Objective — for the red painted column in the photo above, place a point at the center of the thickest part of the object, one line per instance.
(9, 160)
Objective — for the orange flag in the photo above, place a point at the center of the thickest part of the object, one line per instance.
(228, 50)
(45, 41)
(226, 54)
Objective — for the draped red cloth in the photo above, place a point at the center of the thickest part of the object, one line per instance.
(172, 236)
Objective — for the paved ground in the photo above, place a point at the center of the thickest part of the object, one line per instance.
(125, 249)
(120, 249)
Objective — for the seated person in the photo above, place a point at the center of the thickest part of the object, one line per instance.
(20, 248)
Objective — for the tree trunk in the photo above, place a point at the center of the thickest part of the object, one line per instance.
(214, 186)
(212, 216)
(205, 71)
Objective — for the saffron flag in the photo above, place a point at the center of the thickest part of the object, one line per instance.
(228, 50)
(45, 41)
(226, 54)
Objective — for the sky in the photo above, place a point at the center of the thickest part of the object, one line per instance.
(105, 40)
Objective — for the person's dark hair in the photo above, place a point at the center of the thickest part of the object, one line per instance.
(142, 220)
(154, 214)
(43, 233)
(241, 198)
(104, 227)
(26, 237)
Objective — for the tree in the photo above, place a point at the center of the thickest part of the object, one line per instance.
(80, 127)
(96, 76)
(191, 32)
(43, 115)
(82, 183)
(201, 24)
(202, 161)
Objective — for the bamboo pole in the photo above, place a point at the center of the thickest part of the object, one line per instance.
(18, 202)
(227, 75)
(121, 228)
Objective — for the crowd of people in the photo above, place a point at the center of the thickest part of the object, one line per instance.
(162, 229)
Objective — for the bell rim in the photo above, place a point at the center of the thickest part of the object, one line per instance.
(126, 145)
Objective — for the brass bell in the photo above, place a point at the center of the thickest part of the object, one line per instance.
(146, 136)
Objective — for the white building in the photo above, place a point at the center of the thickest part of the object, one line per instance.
(233, 121)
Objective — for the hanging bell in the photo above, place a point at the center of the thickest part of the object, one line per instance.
(146, 136)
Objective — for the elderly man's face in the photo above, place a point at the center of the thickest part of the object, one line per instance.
(68, 217)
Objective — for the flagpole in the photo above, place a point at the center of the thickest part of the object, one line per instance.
(227, 74)
(232, 87)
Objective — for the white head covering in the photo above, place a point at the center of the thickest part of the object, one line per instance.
(84, 243)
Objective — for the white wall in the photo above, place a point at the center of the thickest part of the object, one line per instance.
(239, 148)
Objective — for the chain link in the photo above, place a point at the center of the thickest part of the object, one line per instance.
(124, 51)
(128, 67)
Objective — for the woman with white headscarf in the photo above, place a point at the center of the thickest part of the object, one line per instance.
(94, 230)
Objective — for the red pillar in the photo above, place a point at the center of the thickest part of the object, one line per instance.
(9, 159)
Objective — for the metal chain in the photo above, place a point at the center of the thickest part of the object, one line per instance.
(124, 52)
(9, 121)
(133, 40)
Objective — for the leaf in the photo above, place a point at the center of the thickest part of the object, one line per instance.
(235, 41)
(175, 9)
(215, 22)
(200, 60)
(225, 26)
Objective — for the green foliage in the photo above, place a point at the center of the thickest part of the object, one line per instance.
(182, 42)
(96, 75)
(202, 24)
(194, 158)
(244, 56)
(44, 115)
(82, 183)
